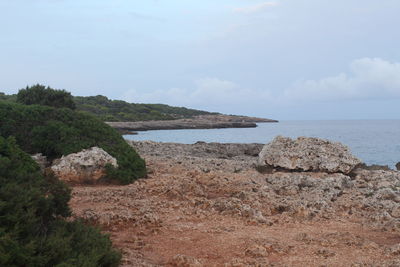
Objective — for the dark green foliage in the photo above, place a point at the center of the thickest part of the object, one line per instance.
(61, 131)
(40, 95)
(33, 208)
(109, 110)
(5, 97)
(117, 110)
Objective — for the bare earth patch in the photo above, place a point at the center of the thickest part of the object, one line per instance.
(213, 211)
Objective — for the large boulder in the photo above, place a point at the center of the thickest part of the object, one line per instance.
(307, 154)
(87, 166)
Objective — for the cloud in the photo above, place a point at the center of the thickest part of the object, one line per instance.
(255, 8)
(368, 78)
(208, 93)
(141, 16)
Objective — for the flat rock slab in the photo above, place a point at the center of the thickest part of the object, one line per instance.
(197, 122)
(307, 154)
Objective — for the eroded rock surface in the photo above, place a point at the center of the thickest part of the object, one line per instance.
(87, 166)
(200, 210)
(307, 154)
(199, 149)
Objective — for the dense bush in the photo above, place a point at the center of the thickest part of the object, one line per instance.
(40, 95)
(33, 230)
(117, 110)
(12, 98)
(61, 131)
(101, 107)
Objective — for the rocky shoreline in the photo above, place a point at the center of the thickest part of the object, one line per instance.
(198, 122)
(206, 205)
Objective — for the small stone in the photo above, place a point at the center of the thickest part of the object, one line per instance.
(396, 212)
(325, 253)
(394, 250)
(184, 261)
(256, 251)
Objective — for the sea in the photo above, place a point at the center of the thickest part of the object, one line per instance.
(372, 141)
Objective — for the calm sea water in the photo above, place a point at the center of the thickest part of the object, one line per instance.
(373, 141)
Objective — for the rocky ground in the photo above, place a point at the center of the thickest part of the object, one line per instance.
(206, 205)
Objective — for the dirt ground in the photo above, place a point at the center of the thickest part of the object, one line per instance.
(193, 212)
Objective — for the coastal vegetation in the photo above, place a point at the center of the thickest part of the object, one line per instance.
(46, 96)
(33, 212)
(100, 106)
(35, 224)
(118, 110)
(60, 131)
(12, 98)
(44, 121)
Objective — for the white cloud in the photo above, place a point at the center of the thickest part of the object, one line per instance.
(369, 78)
(255, 8)
(209, 93)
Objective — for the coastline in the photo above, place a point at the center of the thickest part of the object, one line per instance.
(197, 122)
(375, 142)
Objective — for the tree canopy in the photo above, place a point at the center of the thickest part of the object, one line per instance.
(41, 95)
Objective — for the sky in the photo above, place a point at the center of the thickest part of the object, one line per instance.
(283, 59)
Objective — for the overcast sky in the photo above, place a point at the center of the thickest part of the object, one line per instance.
(283, 59)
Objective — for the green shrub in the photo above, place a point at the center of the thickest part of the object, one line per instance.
(100, 106)
(5, 97)
(33, 208)
(117, 110)
(56, 132)
(40, 95)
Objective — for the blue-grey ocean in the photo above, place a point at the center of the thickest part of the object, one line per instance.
(373, 141)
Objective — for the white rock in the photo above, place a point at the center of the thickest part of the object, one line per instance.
(307, 154)
(87, 166)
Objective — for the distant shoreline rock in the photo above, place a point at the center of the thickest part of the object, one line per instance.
(197, 122)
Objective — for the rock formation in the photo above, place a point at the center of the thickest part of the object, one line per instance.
(307, 154)
(87, 166)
